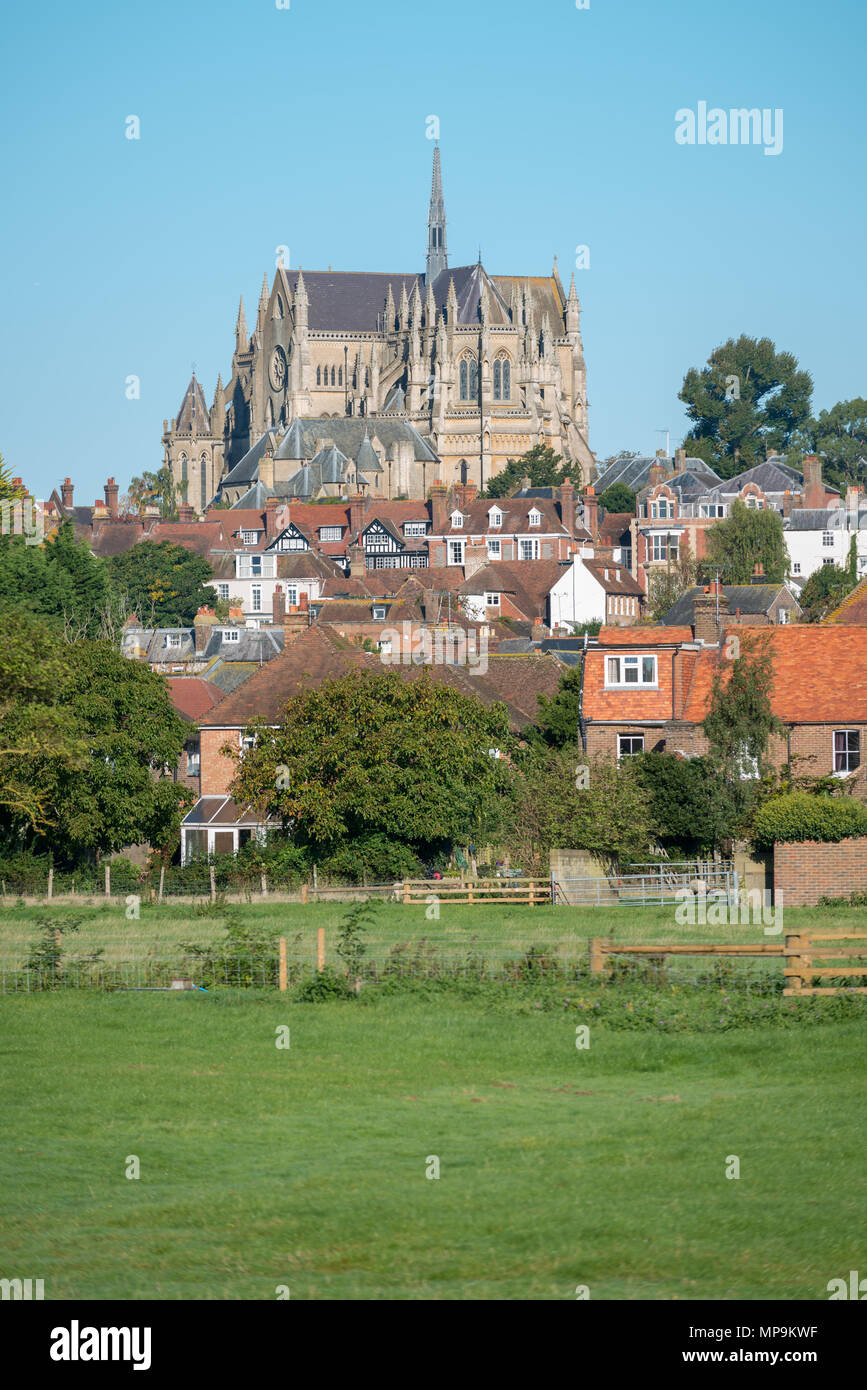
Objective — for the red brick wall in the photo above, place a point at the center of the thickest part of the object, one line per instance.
(217, 770)
(807, 871)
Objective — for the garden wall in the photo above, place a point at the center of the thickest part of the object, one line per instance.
(806, 871)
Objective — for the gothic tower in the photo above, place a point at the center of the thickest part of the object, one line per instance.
(437, 254)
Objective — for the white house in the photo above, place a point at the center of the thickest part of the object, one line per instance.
(822, 536)
(592, 590)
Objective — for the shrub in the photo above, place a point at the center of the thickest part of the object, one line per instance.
(324, 985)
(800, 816)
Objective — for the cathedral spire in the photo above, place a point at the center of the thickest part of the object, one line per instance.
(241, 326)
(437, 254)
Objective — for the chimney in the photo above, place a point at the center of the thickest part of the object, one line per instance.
(758, 573)
(465, 493)
(539, 631)
(356, 513)
(186, 513)
(439, 503)
(111, 491)
(853, 503)
(567, 505)
(705, 607)
(680, 459)
(66, 491)
(657, 471)
(787, 503)
(814, 489)
(357, 566)
(525, 482)
(203, 624)
(475, 558)
(278, 611)
(591, 510)
(271, 506)
(304, 601)
(236, 613)
(266, 470)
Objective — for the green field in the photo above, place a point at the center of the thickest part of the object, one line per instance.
(306, 1166)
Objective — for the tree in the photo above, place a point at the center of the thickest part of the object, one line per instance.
(540, 464)
(618, 498)
(156, 490)
(839, 436)
(747, 398)
(94, 735)
(60, 580)
(557, 722)
(744, 539)
(410, 758)
(7, 490)
(162, 583)
(825, 590)
(40, 739)
(740, 719)
(617, 458)
(665, 586)
(563, 799)
(690, 803)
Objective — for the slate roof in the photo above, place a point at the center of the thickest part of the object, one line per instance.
(743, 598)
(350, 300)
(824, 519)
(299, 441)
(246, 470)
(193, 411)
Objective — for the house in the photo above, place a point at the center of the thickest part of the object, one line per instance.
(753, 605)
(597, 590)
(823, 535)
(649, 689)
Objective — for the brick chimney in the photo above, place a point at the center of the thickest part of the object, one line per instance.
(758, 573)
(539, 631)
(853, 503)
(66, 490)
(591, 510)
(680, 459)
(787, 503)
(657, 470)
(186, 513)
(271, 506)
(111, 491)
(356, 513)
(567, 505)
(705, 607)
(465, 493)
(439, 508)
(357, 564)
(278, 609)
(814, 488)
(203, 624)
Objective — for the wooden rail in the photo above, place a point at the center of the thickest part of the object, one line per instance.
(799, 952)
(479, 890)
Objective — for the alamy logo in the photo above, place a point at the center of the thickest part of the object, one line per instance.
(452, 646)
(739, 126)
(720, 908)
(857, 1287)
(16, 1289)
(75, 1343)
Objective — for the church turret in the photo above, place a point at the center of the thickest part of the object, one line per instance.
(404, 308)
(573, 311)
(218, 409)
(452, 305)
(241, 334)
(416, 306)
(263, 303)
(430, 309)
(437, 254)
(300, 303)
(390, 312)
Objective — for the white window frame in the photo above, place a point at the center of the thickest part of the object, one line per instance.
(230, 634)
(845, 755)
(222, 591)
(534, 518)
(618, 669)
(415, 528)
(533, 544)
(457, 520)
(330, 533)
(631, 752)
(455, 555)
(827, 538)
(249, 537)
(173, 639)
(495, 517)
(492, 600)
(256, 597)
(494, 547)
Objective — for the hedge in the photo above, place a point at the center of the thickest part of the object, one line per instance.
(800, 816)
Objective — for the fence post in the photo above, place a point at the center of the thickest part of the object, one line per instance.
(795, 961)
(108, 880)
(50, 884)
(470, 891)
(596, 953)
(320, 949)
(162, 882)
(282, 969)
(264, 886)
(213, 883)
(406, 890)
(304, 892)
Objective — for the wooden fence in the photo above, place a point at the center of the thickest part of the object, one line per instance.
(798, 954)
(477, 890)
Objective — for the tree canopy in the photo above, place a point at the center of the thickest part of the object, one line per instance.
(746, 399)
(839, 436)
(618, 498)
(540, 464)
(162, 583)
(742, 540)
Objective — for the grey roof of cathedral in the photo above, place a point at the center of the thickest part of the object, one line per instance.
(396, 400)
(331, 463)
(366, 457)
(247, 468)
(299, 441)
(350, 300)
(193, 407)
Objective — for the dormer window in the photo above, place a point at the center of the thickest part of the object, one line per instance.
(330, 533)
(173, 639)
(231, 634)
(495, 517)
(249, 537)
(379, 614)
(535, 518)
(457, 519)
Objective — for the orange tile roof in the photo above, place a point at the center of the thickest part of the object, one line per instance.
(643, 636)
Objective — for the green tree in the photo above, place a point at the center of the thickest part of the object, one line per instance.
(540, 464)
(380, 753)
(839, 436)
(618, 498)
(746, 398)
(665, 586)
(744, 539)
(557, 721)
(156, 490)
(7, 491)
(690, 803)
(162, 583)
(563, 799)
(825, 590)
(740, 720)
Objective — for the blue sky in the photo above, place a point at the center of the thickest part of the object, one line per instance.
(306, 127)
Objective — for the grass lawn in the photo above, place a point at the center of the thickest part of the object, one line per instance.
(306, 1166)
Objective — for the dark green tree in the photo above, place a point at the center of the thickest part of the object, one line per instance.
(839, 437)
(162, 583)
(618, 498)
(747, 398)
(540, 464)
(742, 540)
(691, 805)
(557, 722)
(156, 490)
(740, 720)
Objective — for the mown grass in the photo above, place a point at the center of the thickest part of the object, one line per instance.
(306, 1166)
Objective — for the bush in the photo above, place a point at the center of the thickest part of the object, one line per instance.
(800, 816)
(324, 985)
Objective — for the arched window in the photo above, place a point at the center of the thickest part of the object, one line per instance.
(498, 374)
(203, 480)
(367, 376)
(507, 380)
(279, 307)
(333, 378)
(184, 468)
(464, 471)
(339, 376)
(464, 387)
(318, 376)
(474, 379)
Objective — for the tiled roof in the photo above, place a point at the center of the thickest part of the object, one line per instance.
(528, 582)
(515, 510)
(192, 697)
(743, 598)
(613, 577)
(648, 637)
(853, 609)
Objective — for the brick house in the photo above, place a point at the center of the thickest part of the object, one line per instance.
(650, 689)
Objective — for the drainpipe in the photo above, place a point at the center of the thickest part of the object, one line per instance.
(582, 726)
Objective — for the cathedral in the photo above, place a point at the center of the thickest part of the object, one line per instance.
(386, 383)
